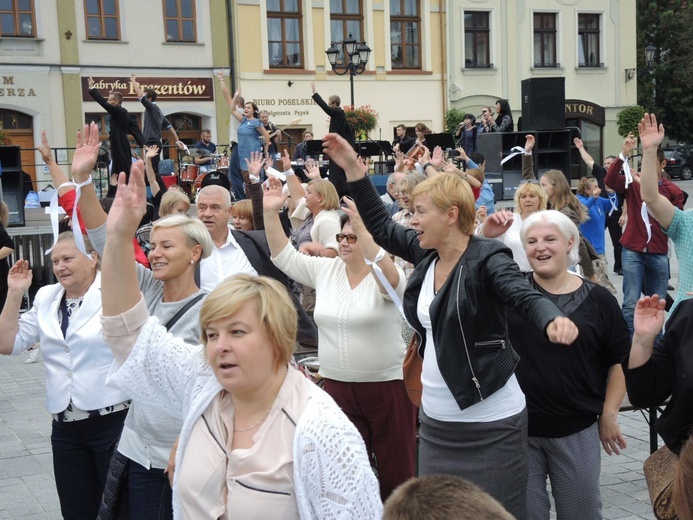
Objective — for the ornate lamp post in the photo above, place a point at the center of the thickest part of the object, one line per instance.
(650, 52)
(357, 55)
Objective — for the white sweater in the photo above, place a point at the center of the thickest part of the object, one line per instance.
(332, 475)
(359, 330)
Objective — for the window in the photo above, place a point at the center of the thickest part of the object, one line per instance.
(545, 40)
(17, 18)
(588, 40)
(103, 121)
(102, 19)
(346, 18)
(405, 38)
(179, 20)
(477, 34)
(284, 30)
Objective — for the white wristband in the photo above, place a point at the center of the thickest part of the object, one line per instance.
(620, 156)
(381, 254)
(290, 171)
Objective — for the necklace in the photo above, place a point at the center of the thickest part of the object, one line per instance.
(254, 425)
(565, 287)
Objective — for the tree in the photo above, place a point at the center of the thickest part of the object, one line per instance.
(628, 119)
(453, 117)
(666, 88)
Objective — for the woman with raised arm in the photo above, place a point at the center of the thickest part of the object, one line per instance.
(473, 415)
(88, 414)
(250, 130)
(574, 393)
(178, 244)
(259, 440)
(361, 348)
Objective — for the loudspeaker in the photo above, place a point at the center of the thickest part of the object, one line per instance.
(12, 188)
(543, 104)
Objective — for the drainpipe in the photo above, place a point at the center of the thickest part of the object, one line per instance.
(443, 15)
(232, 53)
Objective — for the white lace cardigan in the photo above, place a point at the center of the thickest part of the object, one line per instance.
(332, 476)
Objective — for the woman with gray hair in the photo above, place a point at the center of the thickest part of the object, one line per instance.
(573, 392)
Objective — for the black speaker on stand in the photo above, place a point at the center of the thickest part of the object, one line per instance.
(543, 104)
(11, 183)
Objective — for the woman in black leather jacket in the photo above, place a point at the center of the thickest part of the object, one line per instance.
(473, 415)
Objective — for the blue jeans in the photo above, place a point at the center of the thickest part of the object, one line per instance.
(235, 175)
(81, 455)
(642, 271)
(150, 493)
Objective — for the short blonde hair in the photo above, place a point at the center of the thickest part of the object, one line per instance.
(243, 209)
(447, 190)
(169, 199)
(275, 309)
(533, 188)
(327, 191)
(193, 229)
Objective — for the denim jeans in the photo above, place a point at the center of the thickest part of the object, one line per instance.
(642, 271)
(150, 493)
(235, 175)
(81, 455)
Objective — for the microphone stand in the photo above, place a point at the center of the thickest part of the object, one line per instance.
(289, 139)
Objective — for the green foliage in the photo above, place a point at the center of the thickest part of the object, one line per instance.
(628, 119)
(362, 119)
(665, 88)
(453, 117)
(4, 136)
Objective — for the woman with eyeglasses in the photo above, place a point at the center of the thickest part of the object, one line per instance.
(360, 344)
(505, 225)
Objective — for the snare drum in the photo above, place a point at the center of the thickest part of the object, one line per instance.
(223, 163)
(189, 172)
(198, 180)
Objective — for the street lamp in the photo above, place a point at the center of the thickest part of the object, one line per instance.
(357, 55)
(650, 51)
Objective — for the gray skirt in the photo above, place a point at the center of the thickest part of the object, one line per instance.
(492, 455)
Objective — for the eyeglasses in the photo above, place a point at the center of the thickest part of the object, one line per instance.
(351, 239)
(528, 181)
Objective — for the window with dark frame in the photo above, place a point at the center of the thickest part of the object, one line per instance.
(545, 40)
(102, 19)
(284, 34)
(477, 37)
(346, 17)
(405, 34)
(588, 40)
(17, 18)
(103, 121)
(179, 21)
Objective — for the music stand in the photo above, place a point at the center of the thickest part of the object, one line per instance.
(314, 147)
(444, 140)
(368, 148)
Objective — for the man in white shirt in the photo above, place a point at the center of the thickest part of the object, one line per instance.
(237, 252)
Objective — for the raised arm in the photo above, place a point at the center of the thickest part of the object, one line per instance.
(151, 152)
(320, 101)
(528, 158)
(96, 96)
(119, 288)
(583, 153)
(18, 282)
(371, 250)
(225, 91)
(296, 189)
(136, 87)
(83, 162)
(273, 202)
(651, 137)
(648, 321)
(58, 176)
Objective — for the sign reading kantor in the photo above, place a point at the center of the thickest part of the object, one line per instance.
(167, 89)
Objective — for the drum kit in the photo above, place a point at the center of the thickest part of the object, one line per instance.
(189, 176)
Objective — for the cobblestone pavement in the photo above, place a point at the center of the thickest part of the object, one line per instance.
(27, 488)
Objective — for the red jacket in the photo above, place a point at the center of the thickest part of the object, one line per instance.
(635, 235)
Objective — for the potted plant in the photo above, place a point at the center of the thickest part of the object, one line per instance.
(361, 120)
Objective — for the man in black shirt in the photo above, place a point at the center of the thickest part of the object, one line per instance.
(402, 142)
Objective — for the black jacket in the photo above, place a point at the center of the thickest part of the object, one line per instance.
(669, 372)
(338, 125)
(469, 312)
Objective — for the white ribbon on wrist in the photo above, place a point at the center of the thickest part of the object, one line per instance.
(275, 173)
(383, 280)
(378, 257)
(517, 150)
(55, 213)
(626, 170)
(646, 219)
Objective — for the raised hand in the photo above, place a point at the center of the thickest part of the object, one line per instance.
(648, 318)
(463, 154)
(130, 203)
(529, 143)
(45, 149)
(355, 218)
(340, 151)
(220, 75)
(286, 161)
(87, 152)
(437, 157)
(365, 164)
(425, 157)
(254, 166)
(628, 145)
(273, 198)
(596, 192)
(312, 170)
(91, 83)
(20, 276)
(498, 223)
(151, 151)
(312, 86)
(578, 143)
(651, 135)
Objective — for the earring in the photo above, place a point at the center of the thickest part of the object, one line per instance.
(192, 262)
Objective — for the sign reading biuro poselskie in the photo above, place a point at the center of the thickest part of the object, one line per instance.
(167, 89)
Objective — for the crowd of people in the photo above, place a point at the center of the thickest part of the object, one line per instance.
(170, 341)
